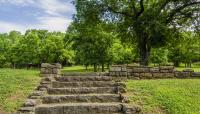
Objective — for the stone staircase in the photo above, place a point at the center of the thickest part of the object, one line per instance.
(84, 95)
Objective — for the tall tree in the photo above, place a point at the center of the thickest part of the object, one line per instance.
(150, 22)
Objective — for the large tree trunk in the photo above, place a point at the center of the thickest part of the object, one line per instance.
(103, 67)
(95, 67)
(145, 49)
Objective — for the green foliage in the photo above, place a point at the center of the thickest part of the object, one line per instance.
(148, 22)
(122, 54)
(159, 56)
(166, 96)
(184, 48)
(35, 47)
(15, 86)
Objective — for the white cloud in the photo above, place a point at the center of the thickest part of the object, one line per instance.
(53, 23)
(47, 23)
(18, 2)
(53, 19)
(56, 7)
(7, 27)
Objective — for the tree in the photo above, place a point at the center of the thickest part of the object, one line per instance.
(150, 22)
(92, 44)
(159, 56)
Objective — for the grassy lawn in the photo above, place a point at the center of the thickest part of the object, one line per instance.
(171, 96)
(80, 69)
(15, 86)
(195, 68)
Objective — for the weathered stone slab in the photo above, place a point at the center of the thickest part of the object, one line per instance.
(141, 69)
(89, 98)
(129, 70)
(163, 75)
(123, 73)
(83, 90)
(116, 68)
(146, 76)
(154, 70)
(79, 108)
(182, 74)
(166, 67)
(82, 78)
(196, 74)
(165, 71)
(56, 84)
(136, 74)
(53, 65)
(56, 71)
(46, 70)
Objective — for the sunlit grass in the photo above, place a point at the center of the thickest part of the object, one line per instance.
(80, 69)
(166, 96)
(15, 86)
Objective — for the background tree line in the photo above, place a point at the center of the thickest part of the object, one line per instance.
(88, 48)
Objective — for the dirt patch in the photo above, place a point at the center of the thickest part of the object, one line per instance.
(3, 112)
(16, 96)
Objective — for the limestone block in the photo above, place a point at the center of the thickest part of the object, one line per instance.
(123, 73)
(182, 74)
(53, 65)
(146, 76)
(154, 70)
(168, 75)
(111, 73)
(166, 67)
(118, 69)
(163, 75)
(46, 70)
(56, 71)
(128, 73)
(123, 68)
(117, 73)
(115, 68)
(196, 74)
(165, 71)
(57, 65)
(30, 102)
(136, 74)
(129, 70)
(131, 109)
(38, 93)
(141, 69)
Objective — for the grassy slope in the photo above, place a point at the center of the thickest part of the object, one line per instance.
(15, 86)
(166, 96)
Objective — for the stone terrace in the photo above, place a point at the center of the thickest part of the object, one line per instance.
(92, 94)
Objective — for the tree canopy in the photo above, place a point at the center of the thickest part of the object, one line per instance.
(148, 22)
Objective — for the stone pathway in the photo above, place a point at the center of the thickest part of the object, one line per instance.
(84, 95)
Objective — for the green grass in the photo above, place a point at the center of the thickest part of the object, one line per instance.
(15, 86)
(77, 69)
(80, 69)
(195, 68)
(171, 96)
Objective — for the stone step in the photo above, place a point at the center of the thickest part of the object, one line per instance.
(98, 98)
(82, 90)
(82, 78)
(80, 108)
(57, 84)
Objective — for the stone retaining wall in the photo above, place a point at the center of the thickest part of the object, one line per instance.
(143, 72)
(47, 72)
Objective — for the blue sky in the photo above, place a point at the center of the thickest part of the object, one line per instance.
(20, 15)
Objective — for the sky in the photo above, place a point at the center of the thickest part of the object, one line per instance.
(21, 15)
